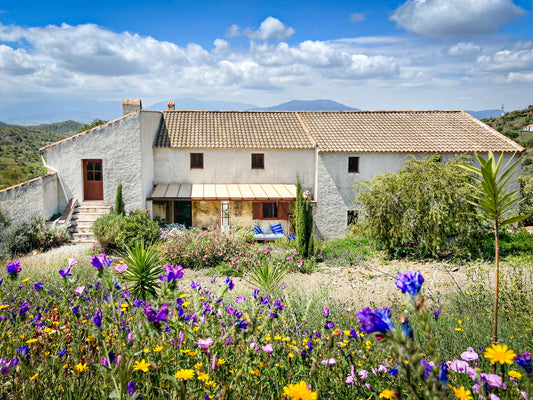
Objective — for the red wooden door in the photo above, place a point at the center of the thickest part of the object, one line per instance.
(93, 184)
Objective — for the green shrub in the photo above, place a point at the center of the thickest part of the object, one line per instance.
(119, 201)
(349, 250)
(106, 230)
(31, 234)
(511, 244)
(143, 271)
(198, 249)
(135, 228)
(424, 206)
(4, 221)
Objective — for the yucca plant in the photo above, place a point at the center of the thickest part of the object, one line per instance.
(144, 268)
(266, 276)
(495, 206)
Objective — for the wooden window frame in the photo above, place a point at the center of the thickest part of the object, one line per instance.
(350, 169)
(197, 160)
(273, 206)
(258, 157)
(282, 210)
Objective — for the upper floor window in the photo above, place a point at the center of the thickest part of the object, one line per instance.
(197, 160)
(353, 164)
(258, 161)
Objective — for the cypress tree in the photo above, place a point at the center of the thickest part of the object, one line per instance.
(119, 202)
(303, 224)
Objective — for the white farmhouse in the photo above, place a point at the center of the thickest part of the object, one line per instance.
(219, 168)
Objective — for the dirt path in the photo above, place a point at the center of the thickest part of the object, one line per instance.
(358, 285)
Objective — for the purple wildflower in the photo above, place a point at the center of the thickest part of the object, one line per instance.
(156, 316)
(79, 290)
(65, 273)
(101, 261)
(61, 353)
(97, 318)
(38, 286)
(204, 343)
(23, 350)
(469, 355)
(76, 309)
(121, 268)
(240, 299)
(196, 285)
(255, 293)
(410, 282)
(6, 366)
(378, 320)
(172, 273)
(131, 388)
(267, 348)
(24, 308)
(492, 380)
(330, 362)
(13, 268)
(351, 378)
(325, 311)
(524, 360)
(329, 325)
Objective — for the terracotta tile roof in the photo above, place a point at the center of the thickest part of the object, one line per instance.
(233, 129)
(404, 132)
(334, 131)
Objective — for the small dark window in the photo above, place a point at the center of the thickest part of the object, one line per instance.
(353, 164)
(197, 160)
(352, 217)
(94, 171)
(270, 210)
(258, 161)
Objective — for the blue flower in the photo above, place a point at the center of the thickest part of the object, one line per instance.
(443, 376)
(195, 285)
(101, 261)
(76, 309)
(172, 273)
(410, 282)
(229, 282)
(62, 353)
(38, 286)
(97, 318)
(24, 308)
(23, 350)
(378, 320)
(13, 268)
(156, 316)
(329, 325)
(524, 360)
(131, 388)
(65, 273)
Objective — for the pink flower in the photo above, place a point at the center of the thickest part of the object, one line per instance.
(72, 262)
(351, 379)
(205, 343)
(469, 355)
(268, 348)
(79, 290)
(121, 268)
(494, 381)
(329, 362)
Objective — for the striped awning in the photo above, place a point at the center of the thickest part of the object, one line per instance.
(223, 191)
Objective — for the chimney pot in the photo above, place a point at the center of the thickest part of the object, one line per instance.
(130, 106)
(171, 106)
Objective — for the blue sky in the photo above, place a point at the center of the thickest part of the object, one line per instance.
(408, 54)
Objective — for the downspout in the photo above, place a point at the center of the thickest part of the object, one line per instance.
(58, 177)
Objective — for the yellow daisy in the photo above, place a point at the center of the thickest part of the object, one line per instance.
(500, 353)
(184, 374)
(299, 391)
(515, 374)
(34, 377)
(141, 366)
(387, 394)
(461, 393)
(81, 367)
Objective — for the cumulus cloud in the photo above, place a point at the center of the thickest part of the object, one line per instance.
(464, 49)
(271, 29)
(357, 17)
(455, 18)
(507, 60)
(233, 31)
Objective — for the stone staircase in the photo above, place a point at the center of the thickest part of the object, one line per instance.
(82, 220)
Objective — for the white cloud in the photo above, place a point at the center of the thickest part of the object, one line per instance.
(520, 77)
(16, 62)
(271, 29)
(357, 17)
(464, 49)
(368, 67)
(455, 18)
(233, 31)
(507, 61)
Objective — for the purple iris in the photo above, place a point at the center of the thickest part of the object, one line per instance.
(97, 318)
(24, 308)
(101, 261)
(65, 273)
(410, 282)
(196, 285)
(6, 366)
(229, 282)
(156, 316)
(524, 360)
(378, 320)
(329, 325)
(23, 350)
(172, 273)
(13, 268)
(38, 286)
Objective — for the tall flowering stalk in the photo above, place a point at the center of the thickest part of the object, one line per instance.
(495, 206)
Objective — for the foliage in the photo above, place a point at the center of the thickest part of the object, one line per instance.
(266, 276)
(81, 337)
(144, 268)
(423, 206)
(511, 244)
(303, 223)
(119, 201)
(106, 230)
(349, 250)
(31, 234)
(93, 124)
(526, 194)
(4, 221)
(494, 205)
(137, 227)
(196, 248)
(19, 151)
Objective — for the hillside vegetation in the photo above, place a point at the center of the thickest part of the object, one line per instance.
(511, 125)
(19, 148)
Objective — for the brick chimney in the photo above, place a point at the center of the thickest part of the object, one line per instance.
(130, 106)
(171, 106)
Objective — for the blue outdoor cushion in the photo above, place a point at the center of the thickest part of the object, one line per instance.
(277, 228)
(257, 230)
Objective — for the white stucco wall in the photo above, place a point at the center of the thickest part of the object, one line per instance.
(335, 185)
(234, 166)
(125, 153)
(150, 121)
(39, 196)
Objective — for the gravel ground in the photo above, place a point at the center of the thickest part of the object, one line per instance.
(357, 285)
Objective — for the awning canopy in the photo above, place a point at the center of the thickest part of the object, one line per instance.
(223, 191)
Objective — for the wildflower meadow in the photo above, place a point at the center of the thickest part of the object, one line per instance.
(131, 327)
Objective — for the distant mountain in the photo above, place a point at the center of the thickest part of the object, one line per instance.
(64, 127)
(193, 104)
(485, 114)
(307, 105)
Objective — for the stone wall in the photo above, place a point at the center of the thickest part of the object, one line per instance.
(39, 196)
